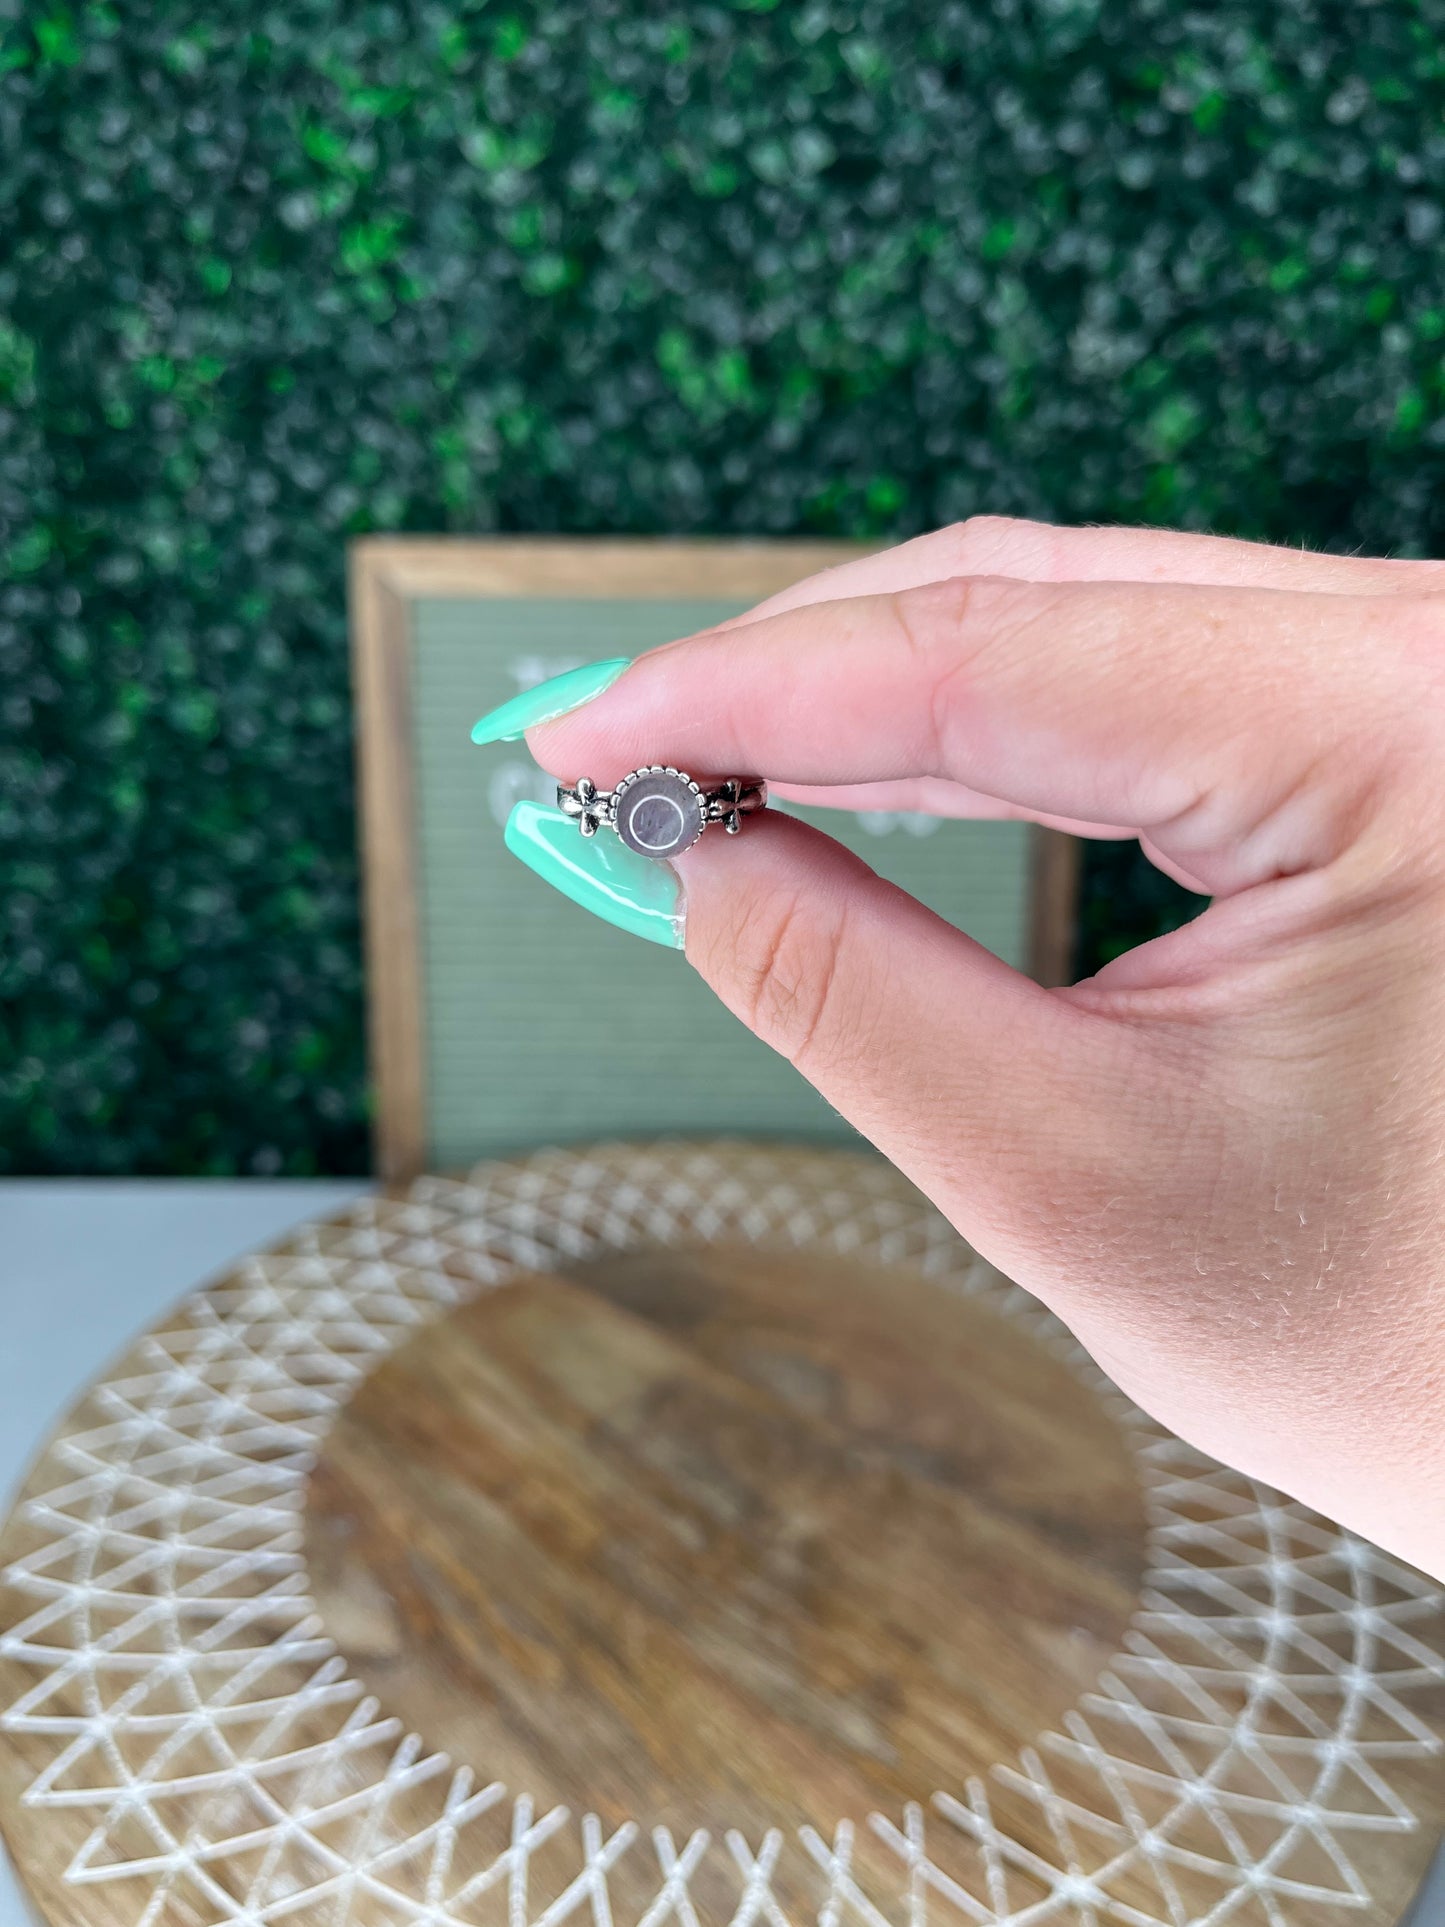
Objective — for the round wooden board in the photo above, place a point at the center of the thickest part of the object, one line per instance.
(738, 1547)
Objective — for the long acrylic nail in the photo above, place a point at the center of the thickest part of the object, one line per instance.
(512, 719)
(600, 873)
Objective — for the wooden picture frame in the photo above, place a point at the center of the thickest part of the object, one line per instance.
(386, 574)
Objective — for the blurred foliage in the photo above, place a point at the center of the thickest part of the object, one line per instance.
(274, 276)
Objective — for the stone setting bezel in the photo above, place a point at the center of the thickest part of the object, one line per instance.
(680, 776)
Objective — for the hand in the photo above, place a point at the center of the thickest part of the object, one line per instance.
(1220, 1160)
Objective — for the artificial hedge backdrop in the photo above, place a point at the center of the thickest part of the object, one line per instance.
(276, 275)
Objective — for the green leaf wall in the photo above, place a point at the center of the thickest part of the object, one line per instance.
(274, 276)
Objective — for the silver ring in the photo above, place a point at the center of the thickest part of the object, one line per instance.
(660, 811)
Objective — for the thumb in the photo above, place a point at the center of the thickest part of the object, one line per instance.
(986, 1089)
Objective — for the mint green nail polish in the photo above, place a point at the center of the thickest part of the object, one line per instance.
(600, 873)
(511, 720)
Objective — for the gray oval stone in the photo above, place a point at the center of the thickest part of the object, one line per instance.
(659, 815)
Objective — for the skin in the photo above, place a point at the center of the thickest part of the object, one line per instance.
(1219, 1160)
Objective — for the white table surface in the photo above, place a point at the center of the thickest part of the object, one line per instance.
(85, 1265)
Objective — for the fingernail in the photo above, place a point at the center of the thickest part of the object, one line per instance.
(600, 873)
(511, 720)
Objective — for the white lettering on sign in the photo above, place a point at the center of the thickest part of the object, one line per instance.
(517, 782)
(885, 822)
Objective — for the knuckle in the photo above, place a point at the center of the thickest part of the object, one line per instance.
(963, 614)
(786, 954)
(984, 544)
(949, 628)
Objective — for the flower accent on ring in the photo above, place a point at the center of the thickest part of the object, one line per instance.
(587, 804)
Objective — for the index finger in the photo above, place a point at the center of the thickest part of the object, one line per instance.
(1107, 702)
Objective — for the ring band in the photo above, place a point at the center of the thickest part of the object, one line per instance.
(660, 811)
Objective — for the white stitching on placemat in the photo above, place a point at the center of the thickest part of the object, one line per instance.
(169, 1593)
